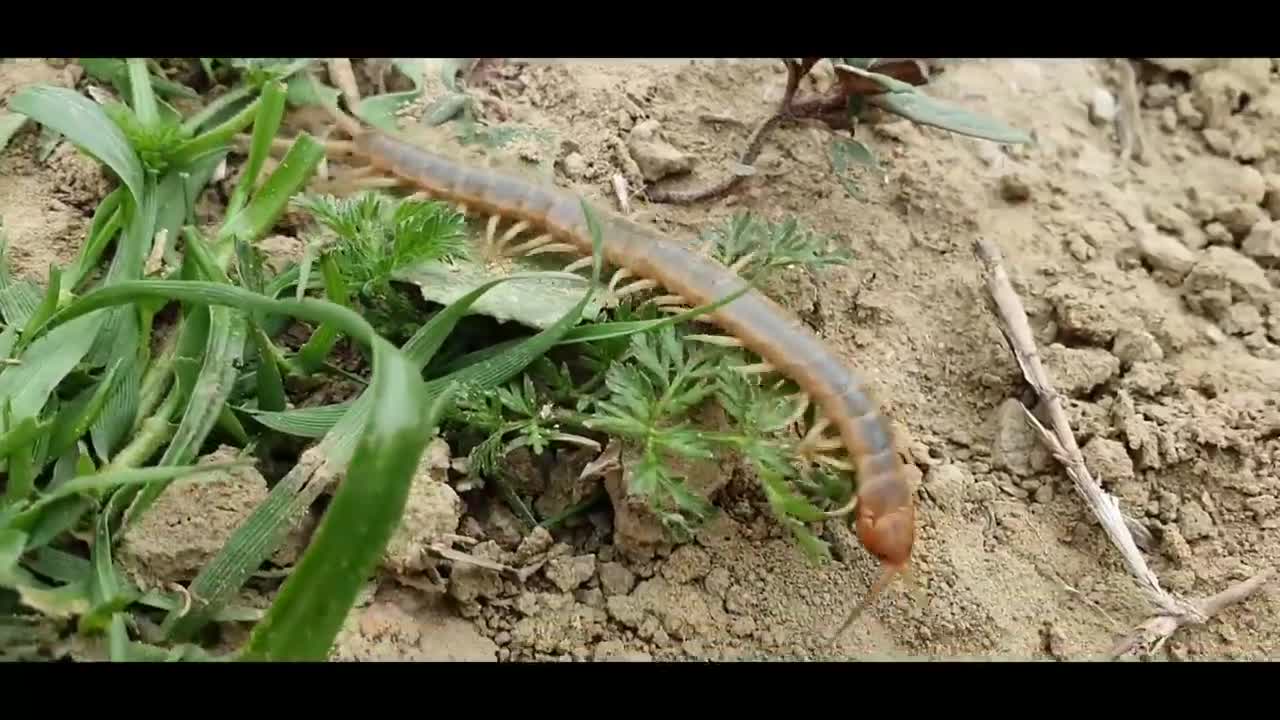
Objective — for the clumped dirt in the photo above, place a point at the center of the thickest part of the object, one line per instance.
(1153, 286)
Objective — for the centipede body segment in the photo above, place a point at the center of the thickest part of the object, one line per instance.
(883, 505)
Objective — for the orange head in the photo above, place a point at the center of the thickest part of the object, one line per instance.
(886, 530)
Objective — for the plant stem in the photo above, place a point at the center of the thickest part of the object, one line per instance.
(151, 435)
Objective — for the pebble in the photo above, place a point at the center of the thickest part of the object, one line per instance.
(1164, 252)
(1263, 243)
(1015, 188)
(1134, 346)
(1168, 119)
(1102, 107)
(1195, 522)
(575, 166)
(1044, 494)
(1159, 95)
(616, 579)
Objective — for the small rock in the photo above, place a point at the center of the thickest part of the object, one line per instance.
(575, 167)
(1195, 522)
(1221, 277)
(1218, 141)
(625, 610)
(1262, 505)
(717, 582)
(538, 541)
(946, 484)
(1164, 253)
(1147, 379)
(567, 573)
(1108, 460)
(1188, 113)
(1134, 346)
(1016, 447)
(401, 626)
(1078, 371)
(1241, 319)
(686, 564)
(468, 583)
(1168, 119)
(743, 626)
(1102, 107)
(591, 597)
(1044, 494)
(1263, 244)
(504, 527)
(1218, 234)
(616, 579)
(655, 157)
(1241, 218)
(1015, 188)
(1174, 545)
(1085, 318)
(1159, 95)
(1271, 200)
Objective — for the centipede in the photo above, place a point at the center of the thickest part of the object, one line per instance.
(882, 503)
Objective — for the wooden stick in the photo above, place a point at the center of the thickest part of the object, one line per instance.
(1171, 612)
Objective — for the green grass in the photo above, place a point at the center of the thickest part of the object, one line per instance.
(98, 419)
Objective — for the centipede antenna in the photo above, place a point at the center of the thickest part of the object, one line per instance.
(887, 575)
(668, 300)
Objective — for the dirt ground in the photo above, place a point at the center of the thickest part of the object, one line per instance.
(1153, 285)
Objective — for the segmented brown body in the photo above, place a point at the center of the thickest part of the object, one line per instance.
(885, 516)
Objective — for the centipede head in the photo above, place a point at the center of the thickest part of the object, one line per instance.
(888, 534)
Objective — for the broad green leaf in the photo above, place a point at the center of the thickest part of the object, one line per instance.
(85, 124)
(921, 108)
(45, 363)
(535, 303)
(311, 422)
(18, 301)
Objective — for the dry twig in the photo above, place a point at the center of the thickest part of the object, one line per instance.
(1171, 612)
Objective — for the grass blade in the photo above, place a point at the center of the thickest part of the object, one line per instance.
(46, 362)
(270, 202)
(270, 112)
(313, 603)
(85, 124)
(311, 422)
(215, 138)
